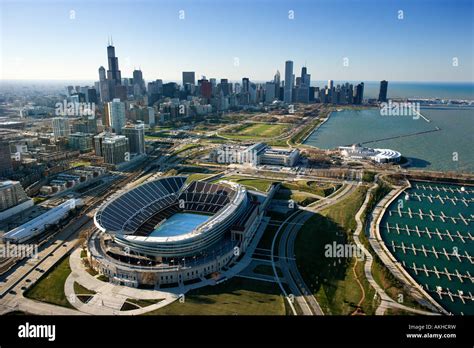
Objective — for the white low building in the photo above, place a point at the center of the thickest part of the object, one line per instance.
(254, 155)
(359, 152)
(39, 224)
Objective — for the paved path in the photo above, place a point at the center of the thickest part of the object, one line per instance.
(109, 297)
(344, 191)
(386, 301)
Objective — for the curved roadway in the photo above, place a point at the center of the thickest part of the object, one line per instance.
(300, 291)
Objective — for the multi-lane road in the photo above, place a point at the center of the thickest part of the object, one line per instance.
(284, 257)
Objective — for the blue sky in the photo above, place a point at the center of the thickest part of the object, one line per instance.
(40, 40)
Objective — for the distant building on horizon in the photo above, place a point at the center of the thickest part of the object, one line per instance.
(139, 88)
(277, 82)
(189, 77)
(359, 93)
(270, 92)
(288, 89)
(383, 91)
(113, 73)
(110, 84)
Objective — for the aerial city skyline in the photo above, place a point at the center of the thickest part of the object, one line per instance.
(111, 85)
(184, 158)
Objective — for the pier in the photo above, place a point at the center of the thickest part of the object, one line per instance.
(401, 136)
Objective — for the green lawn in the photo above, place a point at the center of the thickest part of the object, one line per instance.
(185, 148)
(368, 176)
(259, 184)
(103, 278)
(298, 197)
(397, 311)
(343, 213)
(297, 138)
(50, 287)
(332, 279)
(82, 293)
(256, 131)
(310, 186)
(79, 163)
(198, 176)
(236, 296)
(131, 304)
(81, 290)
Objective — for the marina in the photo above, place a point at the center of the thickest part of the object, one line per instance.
(428, 229)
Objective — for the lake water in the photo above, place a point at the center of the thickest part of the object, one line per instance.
(450, 148)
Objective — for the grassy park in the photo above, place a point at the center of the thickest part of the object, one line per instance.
(249, 131)
(333, 280)
(50, 287)
(236, 296)
(261, 185)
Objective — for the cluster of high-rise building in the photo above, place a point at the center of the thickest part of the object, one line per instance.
(212, 95)
(118, 148)
(341, 94)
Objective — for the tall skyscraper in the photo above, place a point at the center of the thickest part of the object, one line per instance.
(302, 90)
(276, 81)
(270, 92)
(305, 77)
(113, 73)
(359, 93)
(288, 93)
(103, 86)
(224, 87)
(330, 84)
(189, 77)
(135, 134)
(205, 88)
(139, 88)
(60, 127)
(114, 76)
(383, 91)
(117, 118)
(245, 85)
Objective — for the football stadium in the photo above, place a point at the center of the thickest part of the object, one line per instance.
(168, 231)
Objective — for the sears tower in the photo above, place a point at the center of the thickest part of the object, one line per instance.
(112, 86)
(113, 74)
